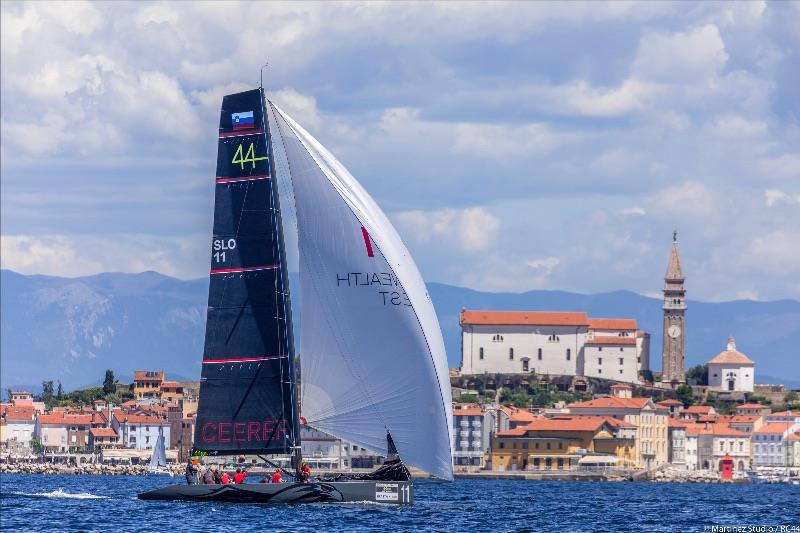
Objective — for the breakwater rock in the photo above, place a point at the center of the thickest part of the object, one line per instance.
(674, 475)
(82, 469)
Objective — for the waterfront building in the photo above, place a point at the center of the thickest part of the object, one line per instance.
(565, 443)
(711, 442)
(100, 438)
(19, 426)
(771, 443)
(140, 431)
(147, 385)
(60, 431)
(731, 370)
(649, 419)
(554, 343)
(471, 434)
(792, 449)
(509, 417)
(674, 331)
(677, 442)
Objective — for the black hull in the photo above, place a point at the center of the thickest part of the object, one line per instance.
(391, 492)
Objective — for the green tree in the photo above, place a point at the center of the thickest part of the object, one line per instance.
(8, 393)
(47, 394)
(791, 397)
(60, 393)
(685, 394)
(108, 382)
(698, 374)
(36, 445)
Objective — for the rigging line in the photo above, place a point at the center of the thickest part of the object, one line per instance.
(350, 365)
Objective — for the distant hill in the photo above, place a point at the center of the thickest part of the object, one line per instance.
(72, 329)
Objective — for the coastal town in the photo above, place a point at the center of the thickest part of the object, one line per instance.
(550, 393)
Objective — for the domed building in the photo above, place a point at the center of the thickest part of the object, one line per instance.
(731, 370)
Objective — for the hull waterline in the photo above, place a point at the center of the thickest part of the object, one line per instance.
(391, 492)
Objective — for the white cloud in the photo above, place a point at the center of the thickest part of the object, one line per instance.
(784, 167)
(697, 54)
(776, 196)
(691, 200)
(632, 211)
(736, 127)
(776, 253)
(474, 228)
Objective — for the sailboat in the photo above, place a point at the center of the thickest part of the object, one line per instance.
(158, 461)
(373, 363)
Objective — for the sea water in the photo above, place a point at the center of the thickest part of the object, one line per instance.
(108, 503)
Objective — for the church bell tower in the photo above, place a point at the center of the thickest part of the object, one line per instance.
(672, 370)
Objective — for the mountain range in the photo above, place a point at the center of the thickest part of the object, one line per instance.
(73, 329)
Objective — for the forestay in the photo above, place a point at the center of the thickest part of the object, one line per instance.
(372, 355)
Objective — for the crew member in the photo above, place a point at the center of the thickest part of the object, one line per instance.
(208, 475)
(226, 478)
(191, 471)
(276, 477)
(239, 476)
(305, 470)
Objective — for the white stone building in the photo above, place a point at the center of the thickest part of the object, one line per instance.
(731, 370)
(140, 431)
(472, 427)
(773, 443)
(555, 343)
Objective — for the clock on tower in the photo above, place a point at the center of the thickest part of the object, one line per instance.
(672, 370)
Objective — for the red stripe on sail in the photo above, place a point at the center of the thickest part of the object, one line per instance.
(242, 269)
(240, 132)
(243, 360)
(367, 242)
(243, 178)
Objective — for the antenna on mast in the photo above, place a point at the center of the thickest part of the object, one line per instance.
(265, 65)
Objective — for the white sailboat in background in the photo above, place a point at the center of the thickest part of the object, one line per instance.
(158, 461)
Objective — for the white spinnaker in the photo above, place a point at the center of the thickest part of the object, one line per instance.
(372, 355)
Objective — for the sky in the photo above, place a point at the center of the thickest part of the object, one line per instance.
(515, 146)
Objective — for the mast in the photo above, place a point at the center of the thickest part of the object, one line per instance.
(287, 300)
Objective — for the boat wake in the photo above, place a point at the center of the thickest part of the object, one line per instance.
(59, 493)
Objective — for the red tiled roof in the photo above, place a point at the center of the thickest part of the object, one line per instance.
(141, 375)
(615, 341)
(518, 415)
(794, 436)
(676, 423)
(468, 412)
(751, 406)
(103, 432)
(530, 318)
(669, 402)
(145, 420)
(613, 324)
(62, 419)
(698, 410)
(565, 423)
(714, 429)
(611, 402)
(731, 357)
(774, 427)
(746, 419)
(25, 414)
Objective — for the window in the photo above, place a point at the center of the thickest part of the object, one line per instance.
(536, 446)
(620, 371)
(540, 354)
(525, 364)
(620, 349)
(620, 360)
(554, 338)
(569, 354)
(524, 445)
(599, 348)
(639, 359)
(599, 360)
(480, 353)
(599, 370)
(548, 445)
(511, 353)
(559, 445)
(497, 338)
(502, 444)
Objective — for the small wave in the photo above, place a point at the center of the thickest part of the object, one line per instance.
(59, 493)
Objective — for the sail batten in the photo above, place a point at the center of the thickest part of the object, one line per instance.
(372, 353)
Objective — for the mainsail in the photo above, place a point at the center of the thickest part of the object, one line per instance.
(373, 359)
(159, 458)
(247, 389)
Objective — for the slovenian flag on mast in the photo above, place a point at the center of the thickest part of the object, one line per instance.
(243, 120)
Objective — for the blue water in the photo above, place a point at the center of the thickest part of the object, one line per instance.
(105, 503)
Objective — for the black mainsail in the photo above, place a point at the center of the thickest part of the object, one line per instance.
(248, 400)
